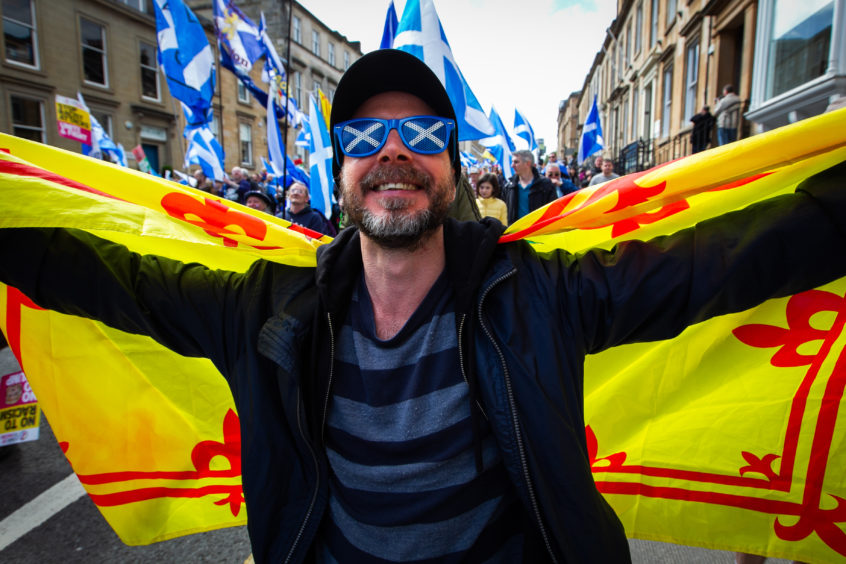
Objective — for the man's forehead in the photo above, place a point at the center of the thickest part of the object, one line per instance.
(393, 104)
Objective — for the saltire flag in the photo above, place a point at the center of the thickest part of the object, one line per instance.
(320, 161)
(672, 442)
(522, 128)
(390, 29)
(185, 55)
(239, 44)
(467, 159)
(591, 140)
(204, 150)
(274, 74)
(421, 34)
(304, 136)
(500, 144)
(101, 144)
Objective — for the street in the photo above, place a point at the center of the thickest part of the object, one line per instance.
(46, 517)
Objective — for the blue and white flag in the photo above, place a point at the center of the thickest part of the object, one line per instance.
(467, 159)
(320, 159)
(591, 141)
(390, 30)
(102, 146)
(274, 74)
(500, 144)
(185, 55)
(304, 136)
(239, 43)
(204, 150)
(421, 34)
(523, 129)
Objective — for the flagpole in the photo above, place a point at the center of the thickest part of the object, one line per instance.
(287, 90)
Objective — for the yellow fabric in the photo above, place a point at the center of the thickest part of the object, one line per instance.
(493, 207)
(325, 107)
(703, 439)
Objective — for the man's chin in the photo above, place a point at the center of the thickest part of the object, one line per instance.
(397, 230)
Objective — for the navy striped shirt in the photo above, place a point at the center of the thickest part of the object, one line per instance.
(404, 485)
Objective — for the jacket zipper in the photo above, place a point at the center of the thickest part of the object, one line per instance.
(461, 361)
(515, 421)
(308, 443)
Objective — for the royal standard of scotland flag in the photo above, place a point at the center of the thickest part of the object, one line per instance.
(185, 55)
(591, 134)
(523, 129)
(421, 34)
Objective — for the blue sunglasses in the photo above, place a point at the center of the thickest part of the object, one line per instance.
(427, 135)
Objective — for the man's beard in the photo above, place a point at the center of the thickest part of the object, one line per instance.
(394, 228)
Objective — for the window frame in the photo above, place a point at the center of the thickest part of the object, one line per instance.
(638, 38)
(330, 52)
(103, 52)
(242, 127)
(297, 31)
(36, 57)
(691, 62)
(242, 94)
(41, 110)
(154, 69)
(315, 42)
(346, 59)
(653, 23)
(666, 99)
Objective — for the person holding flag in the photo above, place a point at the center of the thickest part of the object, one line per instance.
(417, 391)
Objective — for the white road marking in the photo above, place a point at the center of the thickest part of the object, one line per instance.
(40, 509)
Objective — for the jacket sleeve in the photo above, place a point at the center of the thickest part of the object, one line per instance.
(643, 291)
(186, 307)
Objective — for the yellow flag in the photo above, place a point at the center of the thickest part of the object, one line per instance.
(729, 436)
(325, 108)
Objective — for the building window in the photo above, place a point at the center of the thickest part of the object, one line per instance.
(316, 86)
(243, 93)
(215, 126)
(298, 88)
(638, 27)
(331, 52)
(144, 6)
(629, 45)
(624, 123)
(19, 32)
(94, 63)
(315, 42)
(331, 95)
(245, 136)
(653, 24)
(149, 72)
(692, 80)
(28, 119)
(670, 15)
(799, 45)
(635, 113)
(667, 107)
(346, 60)
(298, 31)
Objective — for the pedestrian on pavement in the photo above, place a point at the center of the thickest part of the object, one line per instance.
(607, 173)
(727, 112)
(527, 190)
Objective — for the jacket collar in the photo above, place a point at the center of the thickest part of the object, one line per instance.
(470, 247)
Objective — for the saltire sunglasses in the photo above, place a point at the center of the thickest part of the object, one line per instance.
(427, 135)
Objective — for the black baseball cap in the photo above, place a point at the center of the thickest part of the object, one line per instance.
(386, 70)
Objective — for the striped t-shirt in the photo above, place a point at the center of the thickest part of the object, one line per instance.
(403, 479)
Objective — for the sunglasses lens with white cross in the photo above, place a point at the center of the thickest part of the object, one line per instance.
(363, 137)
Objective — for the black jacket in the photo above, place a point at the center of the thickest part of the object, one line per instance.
(541, 192)
(525, 323)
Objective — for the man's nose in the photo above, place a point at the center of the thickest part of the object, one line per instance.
(394, 149)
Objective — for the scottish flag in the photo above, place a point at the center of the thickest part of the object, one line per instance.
(591, 141)
(239, 44)
(185, 55)
(274, 74)
(204, 150)
(390, 30)
(500, 144)
(523, 129)
(304, 136)
(320, 159)
(421, 34)
(467, 159)
(101, 144)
